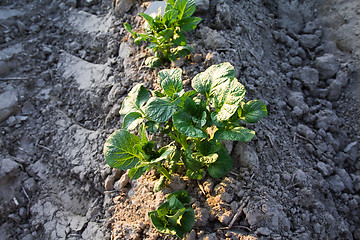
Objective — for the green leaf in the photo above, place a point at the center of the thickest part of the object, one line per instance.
(152, 126)
(170, 16)
(184, 124)
(189, 9)
(174, 217)
(228, 101)
(208, 147)
(119, 150)
(206, 159)
(197, 175)
(167, 34)
(165, 152)
(216, 121)
(135, 100)
(180, 40)
(132, 120)
(149, 19)
(129, 29)
(159, 184)
(222, 166)
(190, 162)
(253, 111)
(181, 195)
(159, 109)
(239, 134)
(136, 172)
(180, 51)
(171, 81)
(186, 222)
(215, 78)
(180, 5)
(153, 62)
(189, 23)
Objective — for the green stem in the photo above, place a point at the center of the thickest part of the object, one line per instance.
(161, 169)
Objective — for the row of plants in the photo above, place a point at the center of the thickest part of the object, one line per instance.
(197, 120)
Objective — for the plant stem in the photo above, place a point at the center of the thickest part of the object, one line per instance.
(164, 171)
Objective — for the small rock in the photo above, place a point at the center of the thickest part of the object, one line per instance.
(246, 156)
(226, 197)
(327, 65)
(353, 204)
(300, 178)
(28, 237)
(290, 16)
(208, 185)
(176, 183)
(335, 184)
(191, 235)
(325, 169)
(8, 104)
(212, 39)
(327, 120)
(345, 178)
(211, 236)
(223, 16)
(116, 92)
(125, 50)
(226, 217)
(334, 90)
(296, 99)
(305, 131)
(178, 63)
(309, 77)
(9, 168)
(30, 186)
(309, 41)
(122, 6)
(202, 5)
(109, 183)
(342, 78)
(121, 183)
(202, 216)
(27, 108)
(23, 213)
(264, 231)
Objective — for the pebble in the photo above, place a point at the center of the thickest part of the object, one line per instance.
(202, 216)
(335, 184)
(8, 103)
(109, 183)
(122, 6)
(334, 90)
(309, 77)
(202, 5)
(264, 231)
(345, 178)
(122, 182)
(309, 41)
(226, 217)
(300, 178)
(327, 65)
(208, 185)
(325, 169)
(305, 131)
(116, 92)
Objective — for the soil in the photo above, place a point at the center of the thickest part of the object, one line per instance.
(66, 66)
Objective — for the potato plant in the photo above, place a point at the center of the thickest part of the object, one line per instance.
(165, 32)
(197, 121)
(175, 216)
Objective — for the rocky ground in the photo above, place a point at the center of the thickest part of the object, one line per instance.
(66, 66)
